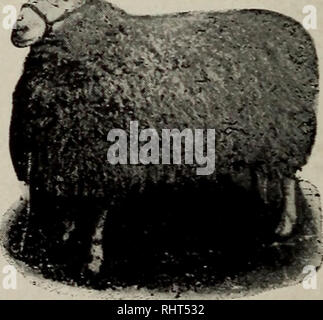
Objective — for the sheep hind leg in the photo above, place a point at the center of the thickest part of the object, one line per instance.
(289, 215)
(279, 194)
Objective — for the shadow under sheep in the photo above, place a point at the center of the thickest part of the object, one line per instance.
(199, 237)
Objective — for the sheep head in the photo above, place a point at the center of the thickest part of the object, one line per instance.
(38, 17)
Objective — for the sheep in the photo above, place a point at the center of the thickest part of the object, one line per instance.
(251, 75)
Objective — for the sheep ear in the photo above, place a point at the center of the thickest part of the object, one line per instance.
(55, 3)
(72, 4)
(68, 3)
(80, 2)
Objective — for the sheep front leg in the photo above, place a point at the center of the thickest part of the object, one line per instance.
(289, 215)
(96, 251)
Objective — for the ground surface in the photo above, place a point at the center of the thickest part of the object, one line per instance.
(248, 261)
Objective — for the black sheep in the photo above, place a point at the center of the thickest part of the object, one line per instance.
(251, 75)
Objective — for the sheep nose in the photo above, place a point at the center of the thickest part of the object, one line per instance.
(21, 29)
